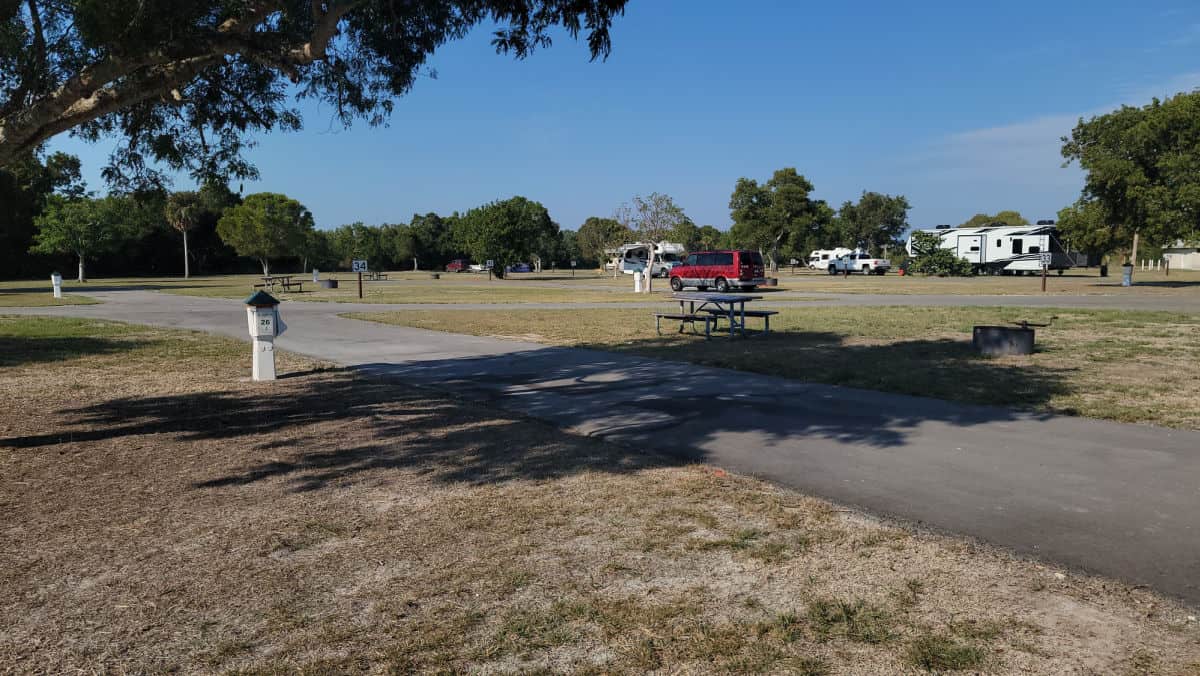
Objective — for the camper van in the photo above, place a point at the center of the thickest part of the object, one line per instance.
(631, 258)
(1000, 248)
(819, 259)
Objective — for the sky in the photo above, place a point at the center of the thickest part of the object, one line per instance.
(958, 106)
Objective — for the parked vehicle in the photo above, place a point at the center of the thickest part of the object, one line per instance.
(1001, 248)
(859, 261)
(819, 259)
(518, 267)
(631, 258)
(721, 270)
(457, 265)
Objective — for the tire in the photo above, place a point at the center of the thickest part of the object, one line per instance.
(866, 269)
(665, 273)
(1060, 272)
(676, 284)
(832, 270)
(721, 285)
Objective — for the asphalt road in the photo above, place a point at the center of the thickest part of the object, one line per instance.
(1120, 500)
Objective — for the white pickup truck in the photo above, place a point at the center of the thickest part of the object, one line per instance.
(859, 262)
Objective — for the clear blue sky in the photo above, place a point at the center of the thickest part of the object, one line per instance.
(958, 106)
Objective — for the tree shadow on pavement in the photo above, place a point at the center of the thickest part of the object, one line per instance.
(653, 395)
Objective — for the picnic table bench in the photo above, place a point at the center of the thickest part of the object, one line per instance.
(375, 276)
(713, 307)
(284, 281)
(685, 318)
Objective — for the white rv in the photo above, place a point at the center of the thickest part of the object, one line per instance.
(820, 259)
(1000, 248)
(631, 258)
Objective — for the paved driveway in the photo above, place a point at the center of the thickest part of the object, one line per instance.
(1122, 500)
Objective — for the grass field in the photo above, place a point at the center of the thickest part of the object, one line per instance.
(1119, 365)
(163, 514)
(26, 294)
(592, 287)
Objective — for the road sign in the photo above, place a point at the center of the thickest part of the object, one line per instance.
(1047, 258)
(491, 264)
(573, 263)
(358, 266)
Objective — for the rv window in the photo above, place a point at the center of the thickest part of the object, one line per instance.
(723, 259)
(997, 242)
(824, 257)
(1017, 244)
(974, 248)
(691, 260)
(1035, 249)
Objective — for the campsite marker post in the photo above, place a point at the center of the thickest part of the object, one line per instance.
(359, 266)
(262, 319)
(56, 282)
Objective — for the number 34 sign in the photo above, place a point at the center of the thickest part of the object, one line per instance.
(358, 266)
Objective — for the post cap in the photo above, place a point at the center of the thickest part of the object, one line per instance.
(261, 299)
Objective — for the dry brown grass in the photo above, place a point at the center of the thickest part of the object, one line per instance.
(333, 523)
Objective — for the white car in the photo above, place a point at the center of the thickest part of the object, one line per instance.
(859, 262)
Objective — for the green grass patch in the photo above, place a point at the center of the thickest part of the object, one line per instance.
(937, 652)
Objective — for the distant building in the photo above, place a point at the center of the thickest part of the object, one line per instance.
(1183, 255)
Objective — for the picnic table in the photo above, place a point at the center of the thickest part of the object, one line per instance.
(375, 276)
(285, 281)
(712, 309)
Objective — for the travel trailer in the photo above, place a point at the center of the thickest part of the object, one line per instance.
(1000, 248)
(819, 259)
(631, 258)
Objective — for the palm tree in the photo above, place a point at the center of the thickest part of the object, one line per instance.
(182, 211)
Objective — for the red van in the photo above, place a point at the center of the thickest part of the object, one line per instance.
(722, 270)
(458, 265)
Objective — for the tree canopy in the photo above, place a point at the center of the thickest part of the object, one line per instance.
(81, 227)
(598, 234)
(764, 215)
(875, 221)
(185, 82)
(265, 226)
(1008, 217)
(506, 231)
(1143, 168)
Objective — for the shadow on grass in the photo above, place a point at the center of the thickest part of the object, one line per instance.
(664, 404)
(378, 424)
(18, 351)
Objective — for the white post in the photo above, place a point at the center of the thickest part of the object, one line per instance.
(316, 275)
(56, 281)
(637, 281)
(264, 325)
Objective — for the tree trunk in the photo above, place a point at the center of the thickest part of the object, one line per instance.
(650, 270)
(266, 266)
(415, 268)
(1133, 254)
(186, 270)
(82, 276)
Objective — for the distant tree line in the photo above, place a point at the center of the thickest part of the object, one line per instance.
(48, 221)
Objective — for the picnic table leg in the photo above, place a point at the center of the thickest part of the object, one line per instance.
(707, 330)
(658, 325)
(732, 321)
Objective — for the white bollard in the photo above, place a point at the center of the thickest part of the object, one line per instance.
(56, 282)
(316, 275)
(262, 319)
(637, 282)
